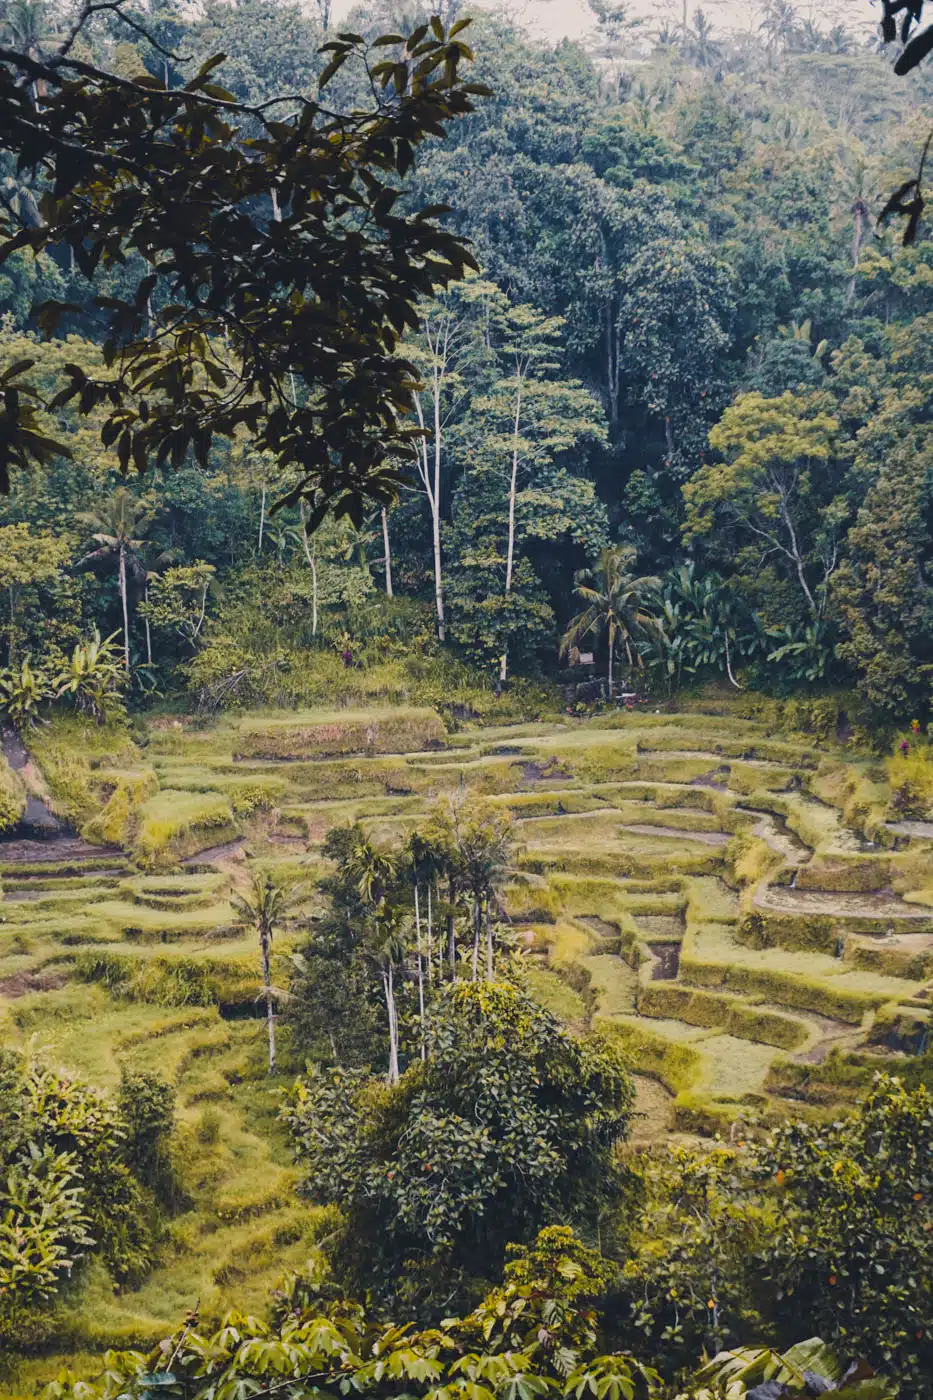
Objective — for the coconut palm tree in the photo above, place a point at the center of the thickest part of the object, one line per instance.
(266, 906)
(119, 531)
(616, 602)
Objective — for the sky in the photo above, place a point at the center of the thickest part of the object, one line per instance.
(557, 19)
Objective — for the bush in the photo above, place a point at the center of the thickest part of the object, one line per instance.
(509, 1124)
(12, 797)
(146, 1103)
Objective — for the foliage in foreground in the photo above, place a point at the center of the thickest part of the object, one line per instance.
(536, 1336)
(78, 1174)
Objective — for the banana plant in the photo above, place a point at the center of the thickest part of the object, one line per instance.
(93, 678)
(22, 691)
(810, 1368)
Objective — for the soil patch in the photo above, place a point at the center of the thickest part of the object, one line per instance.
(716, 778)
(22, 983)
(788, 899)
(600, 926)
(911, 829)
(548, 772)
(660, 925)
(216, 855)
(666, 961)
(55, 849)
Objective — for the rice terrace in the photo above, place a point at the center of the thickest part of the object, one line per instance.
(740, 907)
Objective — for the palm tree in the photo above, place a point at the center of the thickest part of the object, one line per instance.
(119, 531)
(702, 49)
(615, 603)
(485, 847)
(375, 872)
(266, 906)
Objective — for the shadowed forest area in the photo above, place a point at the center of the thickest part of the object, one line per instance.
(466, 790)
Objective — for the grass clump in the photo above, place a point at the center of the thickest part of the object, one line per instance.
(339, 732)
(174, 824)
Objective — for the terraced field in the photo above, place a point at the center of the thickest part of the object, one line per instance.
(736, 908)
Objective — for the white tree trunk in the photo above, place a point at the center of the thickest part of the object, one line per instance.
(126, 613)
(311, 556)
(148, 633)
(477, 926)
(388, 552)
(432, 489)
(267, 990)
(513, 491)
(424, 1046)
(388, 986)
(262, 516)
(489, 942)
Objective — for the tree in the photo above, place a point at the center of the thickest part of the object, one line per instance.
(851, 1247)
(523, 445)
(446, 347)
(28, 559)
(237, 301)
(177, 600)
(375, 873)
(774, 490)
(119, 530)
(481, 836)
(883, 591)
(508, 1125)
(617, 603)
(266, 906)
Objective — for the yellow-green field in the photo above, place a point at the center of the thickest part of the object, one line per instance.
(732, 905)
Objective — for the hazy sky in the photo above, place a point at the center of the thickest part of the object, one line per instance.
(556, 18)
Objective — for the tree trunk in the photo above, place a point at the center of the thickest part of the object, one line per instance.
(262, 516)
(148, 632)
(311, 556)
(388, 552)
(611, 640)
(489, 945)
(388, 986)
(433, 493)
(424, 1050)
(126, 614)
(513, 491)
(477, 928)
(9, 659)
(452, 934)
(729, 664)
(267, 989)
(430, 940)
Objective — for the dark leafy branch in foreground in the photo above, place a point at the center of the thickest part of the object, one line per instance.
(281, 271)
(899, 21)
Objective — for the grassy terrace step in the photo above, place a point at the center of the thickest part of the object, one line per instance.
(712, 957)
(313, 733)
(173, 892)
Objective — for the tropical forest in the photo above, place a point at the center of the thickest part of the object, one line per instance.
(466, 700)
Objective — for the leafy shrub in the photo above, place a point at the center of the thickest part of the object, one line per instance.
(12, 797)
(67, 1188)
(93, 679)
(146, 1103)
(510, 1123)
(23, 691)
